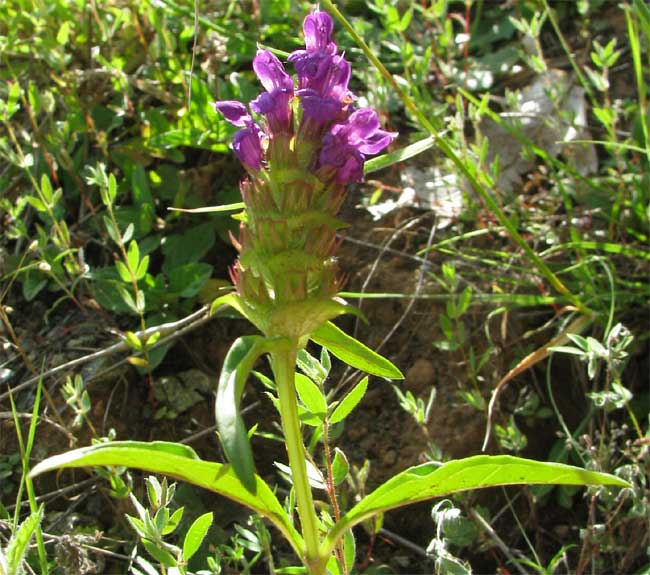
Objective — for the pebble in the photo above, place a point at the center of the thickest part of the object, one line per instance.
(420, 377)
(389, 458)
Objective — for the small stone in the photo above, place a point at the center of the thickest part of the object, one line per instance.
(374, 397)
(389, 458)
(367, 443)
(198, 380)
(182, 391)
(420, 377)
(355, 433)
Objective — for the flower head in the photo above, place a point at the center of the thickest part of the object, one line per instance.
(302, 142)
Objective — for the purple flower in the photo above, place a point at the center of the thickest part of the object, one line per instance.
(324, 93)
(319, 109)
(270, 72)
(330, 78)
(318, 28)
(274, 103)
(318, 67)
(247, 144)
(234, 111)
(347, 144)
(275, 106)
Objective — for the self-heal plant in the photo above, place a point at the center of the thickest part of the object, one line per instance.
(303, 142)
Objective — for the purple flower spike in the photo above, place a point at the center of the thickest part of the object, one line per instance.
(270, 72)
(248, 147)
(235, 112)
(317, 28)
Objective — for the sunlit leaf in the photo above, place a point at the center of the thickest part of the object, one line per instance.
(311, 396)
(232, 430)
(350, 401)
(353, 352)
(430, 480)
(180, 462)
(195, 535)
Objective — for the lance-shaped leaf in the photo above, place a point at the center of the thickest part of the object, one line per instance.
(181, 462)
(237, 364)
(19, 542)
(353, 352)
(385, 160)
(429, 480)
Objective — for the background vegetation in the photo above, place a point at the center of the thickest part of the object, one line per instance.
(504, 265)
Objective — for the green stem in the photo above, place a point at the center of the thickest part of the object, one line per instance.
(284, 363)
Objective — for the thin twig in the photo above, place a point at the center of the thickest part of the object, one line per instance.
(499, 542)
(9, 415)
(168, 331)
(404, 543)
(57, 493)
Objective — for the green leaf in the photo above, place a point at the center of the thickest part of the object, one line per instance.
(133, 340)
(311, 396)
(187, 280)
(349, 550)
(13, 98)
(159, 554)
(123, 271)
(427, 481)
(333, 567)
(340, 467)
(110, 228)
(211, 209)
(133, 256)
(33, 282)
(464, 300)
(140, 302)
(128, 233)
(127, 297)
(46, 188)
(19, 543)
(36, 203)
(229, 300)
(64, 33)
(311, 367)
(143, 266)
(136, 524)
(195, 535)
(112, 189)
(350, 401)
(385, 160)
(232, 431)
(181, 463)
(189, 247)
(353, 352)
(173, 521)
